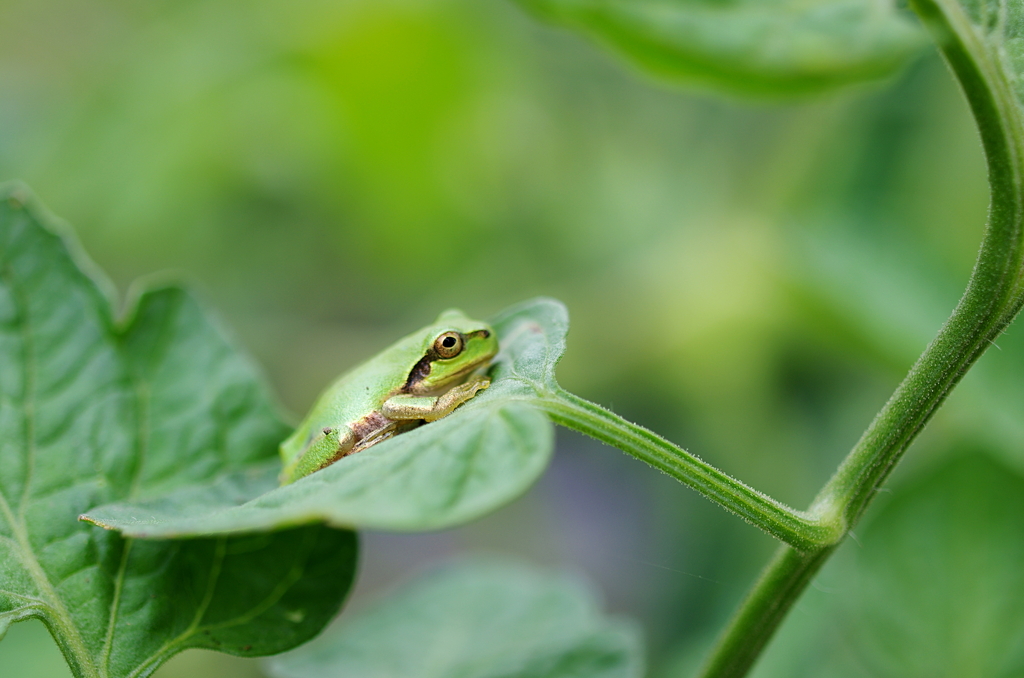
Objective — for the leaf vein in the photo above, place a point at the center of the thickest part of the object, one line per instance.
(115, 606)
(211, 584)
(459, 486)
(293, 575)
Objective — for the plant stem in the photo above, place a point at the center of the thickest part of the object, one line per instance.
(780, 585)
(993, 296)
(991, 301)
(804, 531)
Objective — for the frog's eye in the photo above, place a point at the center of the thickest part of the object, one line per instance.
(448, 345)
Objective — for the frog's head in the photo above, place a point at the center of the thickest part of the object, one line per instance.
(457, 346)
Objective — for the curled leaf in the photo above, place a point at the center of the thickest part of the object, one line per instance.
(441, 474)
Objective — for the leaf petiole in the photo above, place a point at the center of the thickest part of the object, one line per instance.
(804, 531)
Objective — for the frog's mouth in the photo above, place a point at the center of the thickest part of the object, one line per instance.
(416, 386)
(463, 374)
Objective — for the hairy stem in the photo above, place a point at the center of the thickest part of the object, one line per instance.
(804, 531)
(780, 585)
(991, 301)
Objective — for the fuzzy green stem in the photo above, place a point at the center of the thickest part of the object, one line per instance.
(780, 585)
(802, 530)
(991, 301)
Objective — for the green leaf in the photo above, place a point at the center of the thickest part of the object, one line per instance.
(759, 47)
(475, 620)
(933, 586)
(450, 471)
(93, 411)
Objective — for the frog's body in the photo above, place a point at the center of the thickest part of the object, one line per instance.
(422, 377)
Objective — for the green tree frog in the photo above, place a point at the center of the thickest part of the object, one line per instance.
(420, 378)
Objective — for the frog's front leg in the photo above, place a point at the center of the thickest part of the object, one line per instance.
(432, 408)
(323, 449)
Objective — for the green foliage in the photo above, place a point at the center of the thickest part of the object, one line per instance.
(932, 586)
(938, 570)
(105, 417)
(749, 46)
(475, 620)
(454, 470)
(92, 411)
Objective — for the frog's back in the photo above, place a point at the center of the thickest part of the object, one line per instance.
(360, 391)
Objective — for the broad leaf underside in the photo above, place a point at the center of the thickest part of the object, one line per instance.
(91, 412)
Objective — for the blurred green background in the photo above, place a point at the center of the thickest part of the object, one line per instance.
(749, 279)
